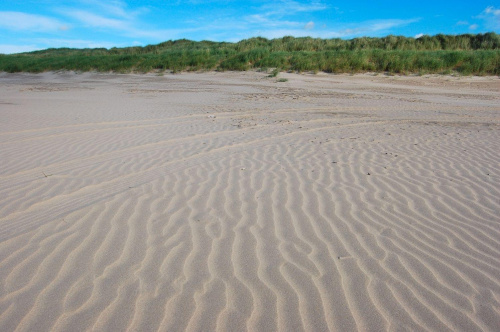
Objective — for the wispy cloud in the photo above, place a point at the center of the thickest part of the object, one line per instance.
(347, 30)
(113, 14)
(382, 25)
(290, 7)
(491, 17)
(30, 22)
(279, 18)
(371, 27)
(96, 21)
(493, 11)
(265, 20)
(125, 23)
(272, 14)
(114, 8)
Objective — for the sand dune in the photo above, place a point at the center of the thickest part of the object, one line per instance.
(232, 202)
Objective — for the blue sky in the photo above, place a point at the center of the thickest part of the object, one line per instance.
(27, 25)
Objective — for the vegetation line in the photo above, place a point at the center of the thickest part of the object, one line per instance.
(441, 54)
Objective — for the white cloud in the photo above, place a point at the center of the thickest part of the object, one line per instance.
(96, 21)
(264, 20)
(352, 30)
(309, 26)
(23, 21)
(492, 10)
(117, 20)
(380, 25)
(491, 18)
(419, 35)
(270, 19)
(290, 6)
(473, 26)
(271, 14)
(115, 8)
(369, 28)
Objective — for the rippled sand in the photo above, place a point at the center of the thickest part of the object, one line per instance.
(232, 202)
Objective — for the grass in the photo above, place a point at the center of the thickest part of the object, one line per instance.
(441, 54)
(274, 73)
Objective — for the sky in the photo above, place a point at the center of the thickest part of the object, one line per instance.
(27, 25)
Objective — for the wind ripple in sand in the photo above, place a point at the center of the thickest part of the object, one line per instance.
(291, 216)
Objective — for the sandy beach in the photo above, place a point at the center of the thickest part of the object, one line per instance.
(227, 201)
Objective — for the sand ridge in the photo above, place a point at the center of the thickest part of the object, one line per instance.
(231, 202)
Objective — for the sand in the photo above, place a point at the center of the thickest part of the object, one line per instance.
(233, 202)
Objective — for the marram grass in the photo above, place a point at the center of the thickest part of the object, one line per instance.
(441, 54)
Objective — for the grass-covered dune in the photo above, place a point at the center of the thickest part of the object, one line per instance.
(442, 54)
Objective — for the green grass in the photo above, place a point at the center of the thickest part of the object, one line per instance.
(274, 73)
(442, 54)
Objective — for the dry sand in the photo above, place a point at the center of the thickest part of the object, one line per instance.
(232, 202)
